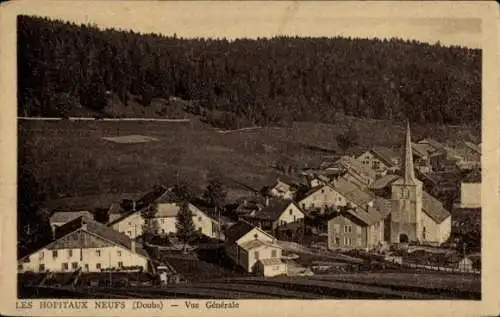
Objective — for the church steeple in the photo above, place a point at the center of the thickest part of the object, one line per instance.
(407, 171)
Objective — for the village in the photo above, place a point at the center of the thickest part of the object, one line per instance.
(380, 210)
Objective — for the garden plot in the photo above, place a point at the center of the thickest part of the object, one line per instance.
(133, 138)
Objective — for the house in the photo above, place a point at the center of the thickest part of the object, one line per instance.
(415, 214)
(470, 153)
(470, 190)
(357, 228)
(87, 245)
(246, 245)
(270, 267)
(320, 197)
(282, 188)
(60, 218)
(314, 180)
(421, 157)
(380, 159)
(353, 171)
(279, 213)
(464, 265)
(163, 205)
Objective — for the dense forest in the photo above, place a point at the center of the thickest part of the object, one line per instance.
(63, 65)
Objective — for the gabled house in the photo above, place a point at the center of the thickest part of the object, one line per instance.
(87, 245)
(163, 205)
(250, 247)
(356, 228)
(60, 218)
(320, 198)
(281, 188)
(380, 159)
(278, 214)
(354, 171)
(471, 154)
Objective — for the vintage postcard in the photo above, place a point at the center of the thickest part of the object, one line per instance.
(249, 158)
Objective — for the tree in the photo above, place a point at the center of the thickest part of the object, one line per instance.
(101, 215)
(151, 227)
(347, 139)
(183, 192)
(184, 225)
(215, 195)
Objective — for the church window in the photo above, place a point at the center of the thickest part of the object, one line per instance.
(423, 234)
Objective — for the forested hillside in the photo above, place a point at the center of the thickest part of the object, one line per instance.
(264, 81)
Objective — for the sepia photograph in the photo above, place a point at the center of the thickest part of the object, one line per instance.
(215, 157)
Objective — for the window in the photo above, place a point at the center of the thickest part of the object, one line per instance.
(322, 191)
(303, 206)
(120, 264)
(65, 266)
(129, 223)
(86, 267)
(98, 266)
(129, 233)
(70, 253)
(337, 240)
(98, 252)
(41, 267)
(41, 256)
(273, 253)
(376, 165)
(347, 240)
(423, 233)
(199, 218)
(256, 255)
(339, 199)
(54, 254)
(74, 265)
(294, 218)
(19, 267)
(199, 229)
(163, 221)
(119, 253)
(347, 229)
(290, 211)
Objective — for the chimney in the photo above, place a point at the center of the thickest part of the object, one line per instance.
(132, 245)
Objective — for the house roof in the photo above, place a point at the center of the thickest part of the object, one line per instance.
(473, 177)
(354, 193)
(66, 216)
(98, 229)
(369, 216)
(434, 208)
(274, 210)
(238, 230)
(438, 146)
(420, 150)
(387, 155)
(384, 181)
(271, 261)
(311, 191)
(351, 164)
(116, 219)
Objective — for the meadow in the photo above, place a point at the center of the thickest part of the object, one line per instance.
(72, 158)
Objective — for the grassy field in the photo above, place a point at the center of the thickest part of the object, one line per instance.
(71, 158)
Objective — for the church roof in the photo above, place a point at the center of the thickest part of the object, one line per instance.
(407, 170)
(434, 208)
(384, 181)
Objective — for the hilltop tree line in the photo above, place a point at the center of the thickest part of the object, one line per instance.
(263, 81)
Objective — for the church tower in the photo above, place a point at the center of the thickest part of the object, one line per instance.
(406, 199)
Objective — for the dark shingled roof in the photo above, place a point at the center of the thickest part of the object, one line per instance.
(65, 216)
(237, 231)
(384, 181)
(274, 210)
(434, 208)
(354, 193)
(385, 154)
(473, 177)
(99, 230)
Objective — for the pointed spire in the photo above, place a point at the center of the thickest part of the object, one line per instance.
(407, 166)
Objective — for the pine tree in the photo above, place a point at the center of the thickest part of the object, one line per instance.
(184, 224)
(150, 227)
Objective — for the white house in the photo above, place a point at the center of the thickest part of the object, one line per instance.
(165, 206)
(321, 197)
(60, 218)
(246, 245)
(88, 245)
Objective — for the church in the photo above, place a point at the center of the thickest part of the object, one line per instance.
(415, 215)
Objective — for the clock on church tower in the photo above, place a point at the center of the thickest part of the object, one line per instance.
(405, 192)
